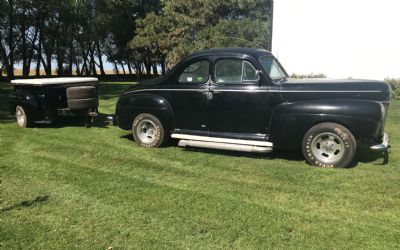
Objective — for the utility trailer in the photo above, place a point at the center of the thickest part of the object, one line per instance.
(43, 100)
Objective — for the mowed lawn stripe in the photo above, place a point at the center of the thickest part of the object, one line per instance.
(146, 165)
(233, 214)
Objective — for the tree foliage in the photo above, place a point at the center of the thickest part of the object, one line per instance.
(186, 25)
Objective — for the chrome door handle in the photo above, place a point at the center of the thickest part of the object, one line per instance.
(209, 95)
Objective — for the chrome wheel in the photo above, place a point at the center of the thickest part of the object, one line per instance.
(21, 116)
(147, 131)
(327, 147)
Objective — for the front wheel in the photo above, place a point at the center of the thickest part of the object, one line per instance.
(148, 131)
(329, 145)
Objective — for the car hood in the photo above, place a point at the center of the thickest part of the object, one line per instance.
(306, 89)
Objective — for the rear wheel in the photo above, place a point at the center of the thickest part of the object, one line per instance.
(329, 145)
(148, 131)
(22, 117)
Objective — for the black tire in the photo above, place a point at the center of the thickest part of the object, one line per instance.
(22, 117)
(329, 145)
(148, 131)
(81, 92)
(82, 104)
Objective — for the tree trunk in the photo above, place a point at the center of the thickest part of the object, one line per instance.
(148, 68)
(31, 50)
(60, 64)
(116, 67)
(10, 69)
(78, 71)
(25, 70)
(48, 68)
(123, 68)
(39, 56)
(61, 55)
(70, 59)
(100, 55)
(84, 66)
(129, 66)
(4, 65)
(163, 68)
(155, 71)
(92, 62)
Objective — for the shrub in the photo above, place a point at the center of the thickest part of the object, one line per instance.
(395, 85)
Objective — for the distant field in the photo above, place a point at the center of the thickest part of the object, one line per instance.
(64, 186)
(18, 72)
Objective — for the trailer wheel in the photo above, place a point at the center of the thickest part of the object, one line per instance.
(82, 104)
(148, 131)
(81, 92)
(22, 117)
(329, 145)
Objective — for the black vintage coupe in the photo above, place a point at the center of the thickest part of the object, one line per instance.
(242, 99)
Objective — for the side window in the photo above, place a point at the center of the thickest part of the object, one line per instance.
(196, 72)
(235, 71)
(249, 73)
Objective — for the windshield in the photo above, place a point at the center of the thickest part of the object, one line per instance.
(272, 67)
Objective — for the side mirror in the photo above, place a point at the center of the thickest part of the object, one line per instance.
(260, 73)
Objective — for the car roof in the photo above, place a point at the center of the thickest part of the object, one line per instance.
(223, 51)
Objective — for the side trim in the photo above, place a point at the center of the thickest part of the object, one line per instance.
(327, 91)
(258, 91)
(222, 140)
(187, 90)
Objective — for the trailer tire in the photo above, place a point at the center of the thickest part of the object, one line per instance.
(83, 104)
(81, 92)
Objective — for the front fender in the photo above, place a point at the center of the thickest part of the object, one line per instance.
(290, 121)
(28, 101)
(130, 106)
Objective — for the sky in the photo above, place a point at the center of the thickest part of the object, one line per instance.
(339, 38)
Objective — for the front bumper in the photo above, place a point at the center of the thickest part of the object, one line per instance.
(383, 146)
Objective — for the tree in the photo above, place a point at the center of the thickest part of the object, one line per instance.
(138, 36)
(183, 26)
(152, 37)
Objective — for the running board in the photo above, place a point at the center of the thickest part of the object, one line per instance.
(224, 146)
(221, 140)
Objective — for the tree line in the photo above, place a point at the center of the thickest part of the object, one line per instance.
(74, 37)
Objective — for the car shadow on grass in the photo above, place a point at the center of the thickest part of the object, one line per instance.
(100, 121)
(26, 203)
(293, 155)
(363, 155)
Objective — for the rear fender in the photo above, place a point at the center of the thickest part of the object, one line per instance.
(290, 121)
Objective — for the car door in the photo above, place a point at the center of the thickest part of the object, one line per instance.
(187, 93)
(238, 100)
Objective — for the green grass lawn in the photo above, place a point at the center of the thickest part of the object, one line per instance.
(65, 186)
